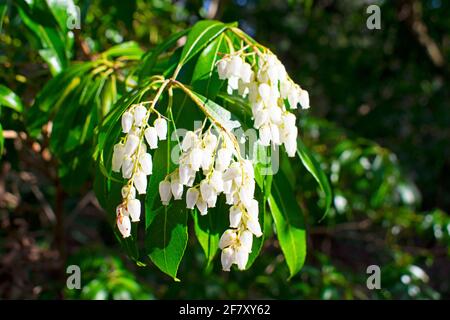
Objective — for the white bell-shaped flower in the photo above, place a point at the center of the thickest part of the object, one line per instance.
(202, 206)
(128, 192)
(161, 128)
(146, 163)
(196, 158)
(222, 69)
(233, 83)
(118, 157)
(211, 201)
(254, 227)
(227, 258)
(191, 197)
(265, 136)
(216, 181)
(235, 66)
(206, 189)
(139, 114)
(151, 136)
(241, 258)
(246, 240)
(261, 118)
(127, 167)
(134, 209)
(189, 141)
(176, 187)
(124, 225)
(140, 182)
(235, 216)
(223, 159)
(293, 99)
(246, 72)
(227, 239)
(127, 121)
(304, 99)
(185, 172)
(165, 192)
(131, 144)
(264, 92)
(275, 114)
(291, 147)
(275, 134)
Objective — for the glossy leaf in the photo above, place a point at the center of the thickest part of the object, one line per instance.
(289, 223)
(9, 99)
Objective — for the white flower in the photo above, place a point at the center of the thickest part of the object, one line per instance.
(227, 239)
(128, 192)
(196, 158)
(246, 72)
(235, 216)
(265, 135)
(145, 161)
(246, 240)
(161, 128)
(127, 121)
(131, 144)
(134, 209)
(291, 147)
(227, 258)
(264, 92)
(185, 172)
(139, 114)
(223, 159)
(127, 167)
(151, 135)
(235, 66)
(241, 258)
(189, 140)
(140, 182)
(206, 189)
(254, 227)
(261, 118)
(118, 156)
(124, 225)
(177, 188)
(165, 192)
(191, 197)
(304, 99)
(202, 206)
(275, 134)
(216, 181)
(222, 69)
(210, 141)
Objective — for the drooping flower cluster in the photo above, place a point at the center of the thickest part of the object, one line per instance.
(130, 157)
(268, 88)
(217, 160)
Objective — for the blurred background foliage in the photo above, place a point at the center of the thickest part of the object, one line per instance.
(379, 127)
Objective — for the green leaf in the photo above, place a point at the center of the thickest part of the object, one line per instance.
(151, 57)
(289, 223)
(201, 34)
(218, 113)
(209, 228)
(3, 10)
(9, 99)
(2, 141)
(313, 167)
(204, 79)
(167, 236)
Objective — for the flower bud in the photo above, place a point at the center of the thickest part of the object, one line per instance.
(151, 136)
(304, 99)
(235, 66)
(222, 69)
(134, 209)
(161, 128)
(246, 72)
(124, 225)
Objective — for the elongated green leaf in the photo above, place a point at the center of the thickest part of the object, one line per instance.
(3, 10)
(219, 113)
(289, 223)
(205, 80)
(9, 99)
(167, 237)
(201, 34)
(313, 167)
(151, 57)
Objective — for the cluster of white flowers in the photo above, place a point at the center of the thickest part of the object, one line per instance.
(268, 87)
(131, 157)
(223, 172)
